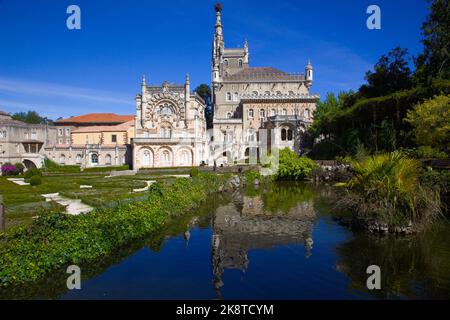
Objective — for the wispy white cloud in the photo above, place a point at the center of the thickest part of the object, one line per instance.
(43, 89)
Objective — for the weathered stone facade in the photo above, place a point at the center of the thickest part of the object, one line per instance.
(24, 143)
(170, 127)
(248, 100)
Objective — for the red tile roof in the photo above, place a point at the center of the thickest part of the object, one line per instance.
(98, 118)
(117, 128)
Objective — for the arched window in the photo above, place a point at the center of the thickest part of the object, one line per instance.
(162, 132)
(230, 136)
(255, 93)
(278, 93)
(251, 135)
(78, 159)
(284, 112)
(307, 114)
(240, 63)
(283, 134)
(228, 96)
(108, 160)
(290, 135)
(296, 112)
(226, 62)
(267, 93)
(165, 159)
(262, 113)
(250, 113)
(146, 159)
(236, 96)
(291, 93)
(185, 158)
(228, 115)
(94, 159)
(62, 159)
(273, 112)
(169, 133)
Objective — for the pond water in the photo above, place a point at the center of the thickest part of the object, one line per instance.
(274, 242)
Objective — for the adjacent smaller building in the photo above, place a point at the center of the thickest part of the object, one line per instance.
(98, 139)
(24, 143)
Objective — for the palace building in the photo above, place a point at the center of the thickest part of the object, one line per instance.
(255, 106)
(255, 109)
(170, 127)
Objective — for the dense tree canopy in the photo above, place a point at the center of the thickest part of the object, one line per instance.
(391, 74)
(31, 117)
(434, 62)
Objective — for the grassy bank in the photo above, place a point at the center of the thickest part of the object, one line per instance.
(57, 240)
(386, 191)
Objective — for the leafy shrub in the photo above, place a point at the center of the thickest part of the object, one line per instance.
(35, 180)
(33, 172)
(387, 187)
(53, 167)
(194, 172)
(20, 167)
(251, 176)
(291, 167)
(9, 170)
(430, 121)
(425, 152)
(436, 179)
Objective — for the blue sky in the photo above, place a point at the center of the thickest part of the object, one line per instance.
(60, 72)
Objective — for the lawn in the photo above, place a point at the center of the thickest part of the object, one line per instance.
(22, 203)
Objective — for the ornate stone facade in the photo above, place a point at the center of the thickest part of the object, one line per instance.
(255, 106)
(170, 127)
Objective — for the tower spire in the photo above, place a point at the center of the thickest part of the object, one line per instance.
(218, 8)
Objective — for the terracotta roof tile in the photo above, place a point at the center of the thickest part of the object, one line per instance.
(97, 118)
(264, 73)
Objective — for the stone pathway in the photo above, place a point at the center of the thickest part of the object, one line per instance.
(73, 206)
(19, 181)
(149, 183)
(177, 176)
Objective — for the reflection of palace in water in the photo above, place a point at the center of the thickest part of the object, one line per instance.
(245, 225)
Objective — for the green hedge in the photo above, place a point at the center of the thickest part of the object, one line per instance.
(56, 240)
(107, 169)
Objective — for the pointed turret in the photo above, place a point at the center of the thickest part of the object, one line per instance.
(309, 75)
(144, 90)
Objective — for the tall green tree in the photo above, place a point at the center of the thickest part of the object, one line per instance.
(204, 91)
(391, 74)
(434, 62)
(31, 117)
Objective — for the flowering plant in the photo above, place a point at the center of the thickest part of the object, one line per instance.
(9, 170)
